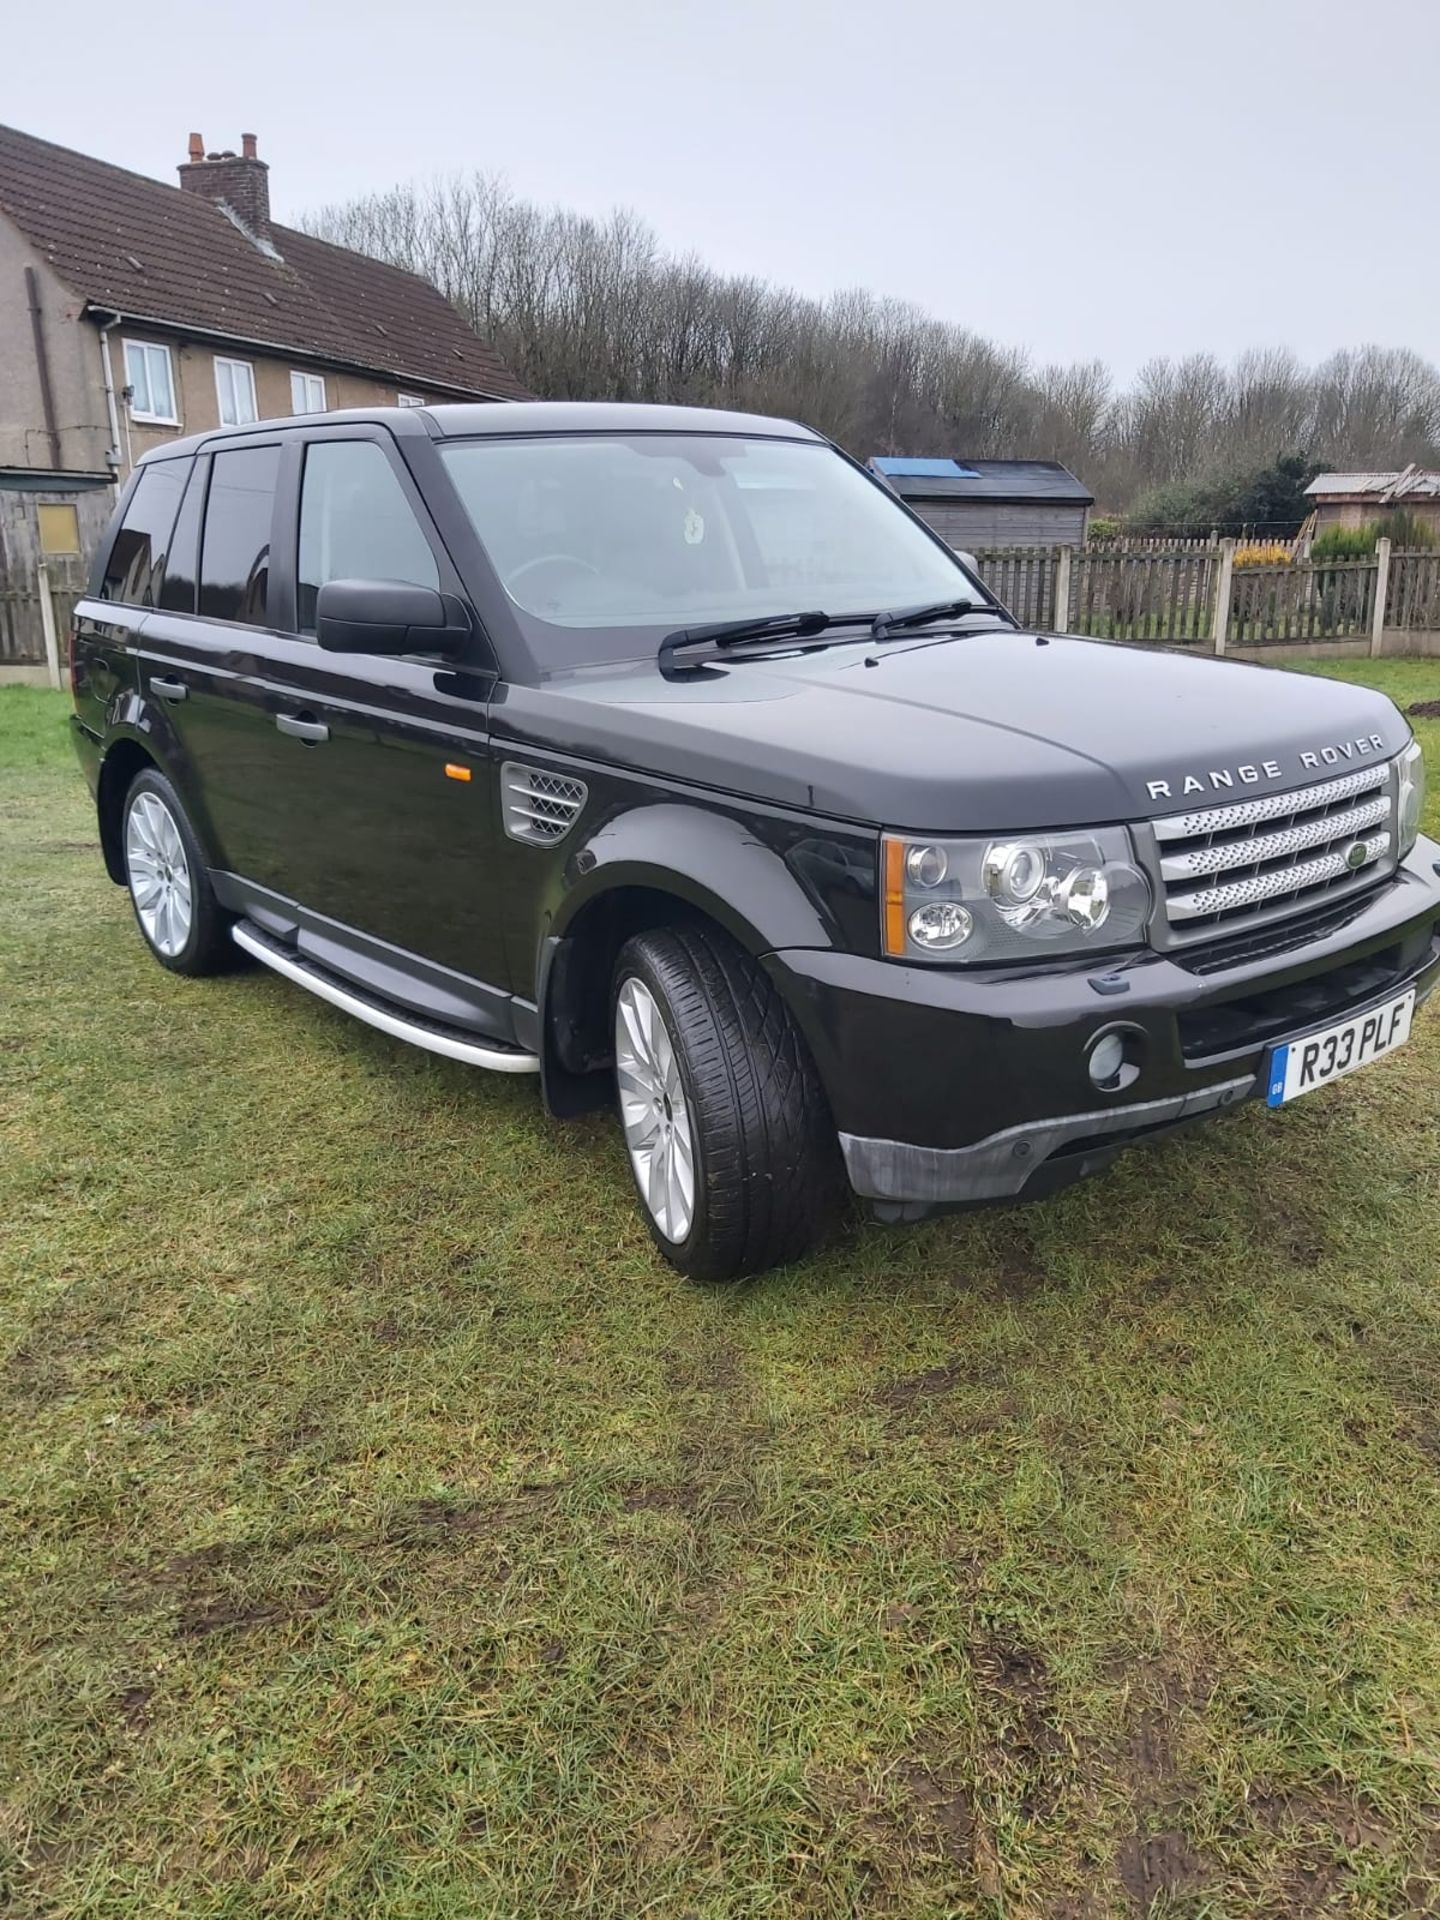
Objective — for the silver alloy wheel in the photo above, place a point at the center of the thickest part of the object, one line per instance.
(159, 874)
(654, 1111)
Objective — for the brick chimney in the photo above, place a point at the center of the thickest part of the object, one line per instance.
(240, 181)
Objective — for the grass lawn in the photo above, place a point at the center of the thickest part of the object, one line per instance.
(384, 1532)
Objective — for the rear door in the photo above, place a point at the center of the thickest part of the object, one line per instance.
(109, 620)
(207, 647)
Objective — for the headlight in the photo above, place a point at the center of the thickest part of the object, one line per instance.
(1412, 795)
(977, 901)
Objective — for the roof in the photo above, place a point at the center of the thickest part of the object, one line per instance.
(612, 416)
(454, 422)
(903, 468)
(150, 252)
(998, 482)
(1409, 483)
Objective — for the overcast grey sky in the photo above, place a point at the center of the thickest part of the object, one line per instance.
(1117, 178)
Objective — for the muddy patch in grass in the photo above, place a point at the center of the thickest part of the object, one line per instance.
(199, 1621)
(431, 1522)
(1019, 1271)
(1158, 1865)
(1157, 1860)
(1319, 1829)
(903, 1395)
(1425, 710)
(939, 1807)
(921, 1810)
(1023, 1749)
(134, 1706)
(646, 1497)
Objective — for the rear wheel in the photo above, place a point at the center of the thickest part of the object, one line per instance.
(182, 922)
(730, 1141)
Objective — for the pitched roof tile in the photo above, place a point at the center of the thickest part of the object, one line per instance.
(150, 251)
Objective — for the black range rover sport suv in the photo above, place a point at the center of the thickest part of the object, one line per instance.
(664, 754)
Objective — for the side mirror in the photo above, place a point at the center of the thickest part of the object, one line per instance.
(388, 616)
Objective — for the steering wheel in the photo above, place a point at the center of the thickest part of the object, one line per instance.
(570, 560)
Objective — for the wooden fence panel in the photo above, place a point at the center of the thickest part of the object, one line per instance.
(1023, 579)
(1165, 594)
(1412, 599)
(22, 638)
(22, 632)
(1155, 594)
(1270, 606)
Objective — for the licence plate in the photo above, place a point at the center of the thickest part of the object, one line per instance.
(1302, 1065)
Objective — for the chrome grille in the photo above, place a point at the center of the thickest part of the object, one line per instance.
(539, 807)
(1250, 860)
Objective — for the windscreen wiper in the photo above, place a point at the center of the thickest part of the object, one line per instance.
(733, 633)
(904, 617)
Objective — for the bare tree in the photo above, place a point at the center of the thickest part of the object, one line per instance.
(586, 309)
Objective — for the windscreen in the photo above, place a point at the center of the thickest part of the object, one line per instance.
(605, 543)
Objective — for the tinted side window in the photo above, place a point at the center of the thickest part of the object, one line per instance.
(235, 555)
(356, 524)
(136, 566)
(177, 593)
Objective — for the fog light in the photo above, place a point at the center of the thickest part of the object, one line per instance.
(1107, 1056)
(944, 923)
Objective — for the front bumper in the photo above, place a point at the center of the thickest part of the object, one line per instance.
(953, 1088)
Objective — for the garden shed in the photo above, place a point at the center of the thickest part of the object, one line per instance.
(973, 504)
(1358, 499)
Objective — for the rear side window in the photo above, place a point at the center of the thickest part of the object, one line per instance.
(235, 553)
(136, 567)
(356, 524)
(177, 594)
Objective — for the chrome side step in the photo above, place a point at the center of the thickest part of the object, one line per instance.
(448, 1041)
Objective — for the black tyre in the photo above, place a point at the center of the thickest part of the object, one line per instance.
(729, 1137)
(182, 922)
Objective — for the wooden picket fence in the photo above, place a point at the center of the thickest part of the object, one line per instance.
(1270, 606)
(1023, 578)
(1178, 594)
(1149, 593)
(1413, 597)
(1153, 594)
(22, 626)
(22, 641)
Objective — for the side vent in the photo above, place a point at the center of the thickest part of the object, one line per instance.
(539, 807)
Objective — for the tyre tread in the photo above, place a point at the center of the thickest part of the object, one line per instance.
(767, 1153)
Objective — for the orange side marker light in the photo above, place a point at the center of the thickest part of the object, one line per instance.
(894, 896)
(452, 772)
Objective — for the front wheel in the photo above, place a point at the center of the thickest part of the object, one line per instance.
(725, 1121)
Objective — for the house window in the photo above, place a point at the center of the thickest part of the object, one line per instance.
(151, 383)
(235, 390)
(411, 400)
(307, 393)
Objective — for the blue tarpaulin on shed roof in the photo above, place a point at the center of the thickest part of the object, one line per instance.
(924, 469)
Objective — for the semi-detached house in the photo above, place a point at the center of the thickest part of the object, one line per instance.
(132, 312)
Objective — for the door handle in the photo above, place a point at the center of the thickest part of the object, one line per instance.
(170, 689)
(312, 732)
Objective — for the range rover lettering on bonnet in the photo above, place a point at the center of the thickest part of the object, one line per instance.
(1253, 773)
